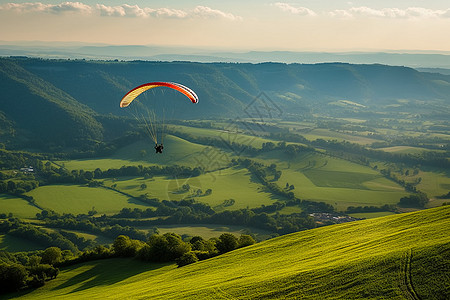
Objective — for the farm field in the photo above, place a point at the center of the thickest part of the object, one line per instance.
(230, 183)
(77, 199)
(335, 181)
(326, 134)
(391, 257)
(406, 149)
(17, 206)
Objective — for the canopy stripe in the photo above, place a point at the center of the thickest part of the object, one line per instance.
(131, 95)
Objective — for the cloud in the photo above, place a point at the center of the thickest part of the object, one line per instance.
(391, 13)
(207, 12)
(296, 10)
(123, 10)
(76, 7)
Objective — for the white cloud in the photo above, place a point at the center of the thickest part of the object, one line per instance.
(124, 10)
(77, 7)
(296, 10)
(391, 13)
(208, 12)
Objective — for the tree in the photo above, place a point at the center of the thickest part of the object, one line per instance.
(143, 186)
(245, 240)
(51, 256)
(186, 259)
(124, 246)
(226, 242)
(12, 277)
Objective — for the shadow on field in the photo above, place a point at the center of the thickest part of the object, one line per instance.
(105, 272)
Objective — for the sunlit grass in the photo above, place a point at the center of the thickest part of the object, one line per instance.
(365, 259)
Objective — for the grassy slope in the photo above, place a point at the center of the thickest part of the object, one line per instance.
(391, 257)
(176, 151)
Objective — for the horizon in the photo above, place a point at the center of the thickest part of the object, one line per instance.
(295, 26)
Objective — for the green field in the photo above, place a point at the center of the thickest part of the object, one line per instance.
(327, 134)
(405, 149)
(395, 257)
(230, 183)
(77, 199)
(17, 206)
(335, 181)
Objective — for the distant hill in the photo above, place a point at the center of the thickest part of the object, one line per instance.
(415, 59)
(63, 100)
(403, 256)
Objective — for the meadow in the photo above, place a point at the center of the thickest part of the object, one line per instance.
(78, 199)
(393, 257)
(335, 181)
(230, 183)
(17, 206)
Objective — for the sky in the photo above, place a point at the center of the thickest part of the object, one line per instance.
(309, 25)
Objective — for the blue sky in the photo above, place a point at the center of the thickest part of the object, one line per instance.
(309, 25)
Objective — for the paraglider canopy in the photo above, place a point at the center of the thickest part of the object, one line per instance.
(150, 120)
(131, 95)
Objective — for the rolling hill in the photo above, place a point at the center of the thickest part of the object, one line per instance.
(77, 94)
(395, 257)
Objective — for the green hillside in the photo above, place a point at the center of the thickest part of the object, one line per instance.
(395, 257)
(29, 102)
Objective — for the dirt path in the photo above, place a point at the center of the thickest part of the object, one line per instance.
(406, 285)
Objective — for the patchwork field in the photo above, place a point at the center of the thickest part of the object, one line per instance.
(230, 183)
(77, 199)
(393, 257)
(17, 206)
(334, 181)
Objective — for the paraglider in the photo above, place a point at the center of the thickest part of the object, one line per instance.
(149, 121)
(159, 148)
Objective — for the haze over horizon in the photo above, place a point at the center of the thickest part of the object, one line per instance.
(366, 25)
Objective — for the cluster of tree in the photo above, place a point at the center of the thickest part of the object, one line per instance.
(170, 247)
(103, 225)
(53, 174)
(409, 186)
(18, 186)
(10, 160)
(361, 209)
(29, 270)
(415, 200)
(35, 234)
(276, 223)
